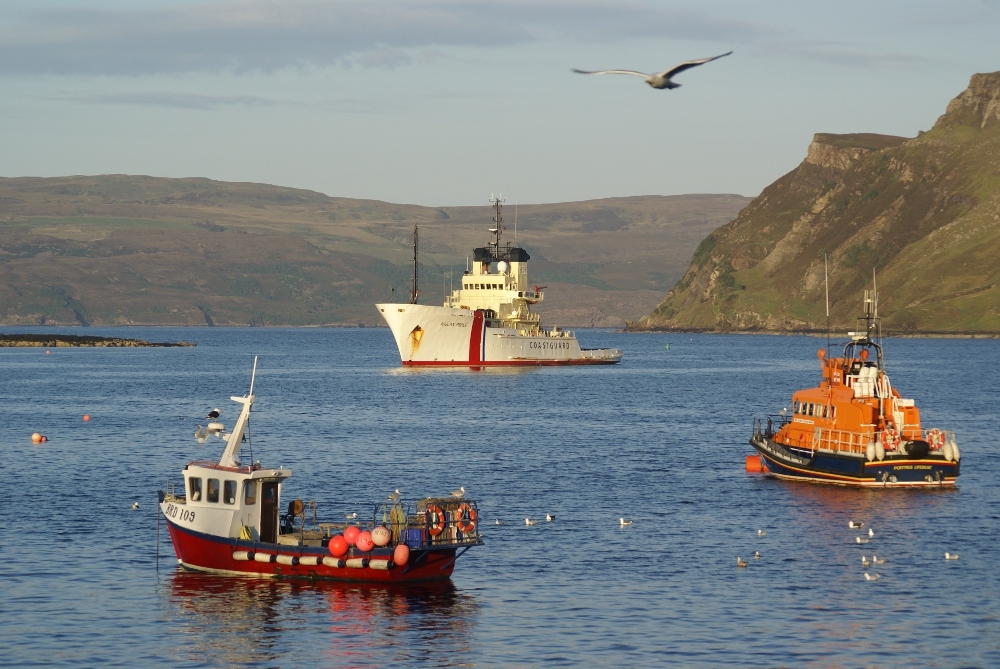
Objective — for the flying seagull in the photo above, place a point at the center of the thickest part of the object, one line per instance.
(661, 80)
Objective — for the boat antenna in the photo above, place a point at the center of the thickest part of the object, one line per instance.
(515, 222)
(253, 377)
(826, 280)
(414, 291)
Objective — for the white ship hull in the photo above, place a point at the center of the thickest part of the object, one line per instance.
(449, 336)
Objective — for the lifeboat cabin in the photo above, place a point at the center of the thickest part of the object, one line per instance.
(855, 428)
(228, 520)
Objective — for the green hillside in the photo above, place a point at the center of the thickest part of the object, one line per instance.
(120, 249)
(923, 212)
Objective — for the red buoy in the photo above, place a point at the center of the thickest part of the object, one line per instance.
(351, 534)
(337, 546)
(364, 541)
(401, 555)
(86, 417)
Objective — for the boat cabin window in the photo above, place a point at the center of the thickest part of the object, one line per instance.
(213, 490)
(229, 492)
(249, 493)
(194, 489)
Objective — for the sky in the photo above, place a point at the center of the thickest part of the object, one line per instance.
(445, 102)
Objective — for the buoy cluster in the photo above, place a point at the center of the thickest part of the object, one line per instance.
(365, 541)
(38, 438)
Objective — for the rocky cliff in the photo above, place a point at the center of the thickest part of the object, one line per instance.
(923, 213)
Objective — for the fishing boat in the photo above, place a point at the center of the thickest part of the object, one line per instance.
(487, 321)
(855, 428)
(227, 520)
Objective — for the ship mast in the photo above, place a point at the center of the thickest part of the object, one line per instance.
(414, 291)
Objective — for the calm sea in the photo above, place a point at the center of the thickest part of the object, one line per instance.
(659, 439)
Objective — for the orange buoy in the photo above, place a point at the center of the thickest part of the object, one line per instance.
(86, 417)
(36, 438)
(754, 464)
(401, 554)
(337, 546)
(351, 534)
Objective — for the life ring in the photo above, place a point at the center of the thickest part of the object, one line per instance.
(467, 517)
(436, 519)
(935, 438)
(890, 438)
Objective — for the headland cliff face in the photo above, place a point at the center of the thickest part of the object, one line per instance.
(923, 213)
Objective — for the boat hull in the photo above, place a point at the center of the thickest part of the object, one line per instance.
(429, 336)
(829, 467)
(212, 554)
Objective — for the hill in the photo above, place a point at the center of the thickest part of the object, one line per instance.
(119, 249)
(923, 212)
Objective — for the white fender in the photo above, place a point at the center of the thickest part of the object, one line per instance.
(879, 451)
(357, 563)
(954, 447)
(242, 556)
(335, 563)
(263, 557)
(870, 451)
(948, 452)
(379, 564)
(290, 560)
(310, 560)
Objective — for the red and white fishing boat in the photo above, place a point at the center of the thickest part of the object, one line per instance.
(487, 321)
(228, 521)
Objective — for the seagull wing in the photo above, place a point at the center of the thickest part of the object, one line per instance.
(632, 72)
(677, 69)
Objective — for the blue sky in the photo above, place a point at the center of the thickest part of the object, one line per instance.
(443, 102)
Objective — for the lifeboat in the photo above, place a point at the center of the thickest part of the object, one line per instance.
(227, 519)
(855, 428)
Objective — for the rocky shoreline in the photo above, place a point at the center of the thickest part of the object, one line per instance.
(63, 341)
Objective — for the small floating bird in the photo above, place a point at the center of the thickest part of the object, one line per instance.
(865, 562)
(460, 493)
(663, 79)
(872, 577)
(500, 522)
(740, 562)
(855, 526)
(951, 556)
(756, 555)
(351, 516)
(761, 533)
(871, 532)
(135, 505)
(549, 518)
(393, 496)
(529, 521)
(214, 413)
(875, 560)
(624, 523)
(861, 541)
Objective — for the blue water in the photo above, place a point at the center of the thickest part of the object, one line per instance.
(659, 439)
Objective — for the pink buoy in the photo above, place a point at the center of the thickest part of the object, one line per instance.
(351, 534)
(401, 555)
(364, 541)
(381, 536)
(337, 546)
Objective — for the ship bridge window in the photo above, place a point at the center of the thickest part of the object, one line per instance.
(249, 493)
(194, 489)
(229, 492)
(213, 491)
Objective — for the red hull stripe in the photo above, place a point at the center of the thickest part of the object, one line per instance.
(503, 363)
(476, 338)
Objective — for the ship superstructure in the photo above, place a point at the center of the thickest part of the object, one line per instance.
(487, 320)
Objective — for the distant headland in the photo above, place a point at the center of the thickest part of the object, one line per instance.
(63, 341)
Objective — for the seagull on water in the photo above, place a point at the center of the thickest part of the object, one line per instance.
(871, 532)
(951, 556)
(213, 414)
(740, 562)
(460, 493)
(529, 521)
(864, 561)
(500, 522)
(872, 577)
(351, 516)
(861, 541)
(855, 526)
(663, 79)
(393, 496)
(875, 560)
(761, 533)
(135, 505)
(549, 518)
(624, 523)
(756, 555)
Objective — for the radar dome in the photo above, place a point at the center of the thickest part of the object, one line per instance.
(502, 266)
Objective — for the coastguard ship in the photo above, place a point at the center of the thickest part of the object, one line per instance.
(855, 428)
(227, 520)
(487, 321)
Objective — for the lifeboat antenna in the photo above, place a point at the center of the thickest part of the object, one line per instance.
(515, 222)
(826, 280)
(414, 292)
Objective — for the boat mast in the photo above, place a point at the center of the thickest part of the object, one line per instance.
(414, 291)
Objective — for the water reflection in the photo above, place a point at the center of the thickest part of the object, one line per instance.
(246, 622)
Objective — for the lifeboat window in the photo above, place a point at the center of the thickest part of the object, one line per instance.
(213, 490)
(249, 492)
(194, 489)
(229, 492)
